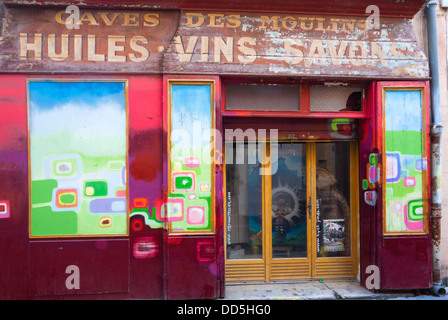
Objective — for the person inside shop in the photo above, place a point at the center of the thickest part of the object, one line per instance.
(280, 224)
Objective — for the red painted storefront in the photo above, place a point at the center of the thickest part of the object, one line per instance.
(159, 262)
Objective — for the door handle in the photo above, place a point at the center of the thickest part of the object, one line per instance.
(309, 207)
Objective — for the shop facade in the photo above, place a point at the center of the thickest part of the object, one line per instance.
(165, 152)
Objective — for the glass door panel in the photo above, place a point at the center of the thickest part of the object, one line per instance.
(289, 202)
(297, 222)
(244, 216)
(333, 183)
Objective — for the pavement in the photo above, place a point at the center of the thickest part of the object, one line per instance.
(319, 290)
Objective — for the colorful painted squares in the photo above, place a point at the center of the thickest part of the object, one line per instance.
(183, 181)
(172, 210)
(370, 197)
(145, 247)
(4, 209)
(393, 167)
(188, 214)
(140, 203)
(413, 215)
(67, 198)
(409, 182)
(415, 209)
(95, 188)
(108, 205)
(67, 167)
(105, 222)
(42, 190)
(63, 166)
(195, 215)
(192, 162)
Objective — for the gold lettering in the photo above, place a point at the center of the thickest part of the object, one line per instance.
(112, 48)
(291, 25)
(151, 19)
(249, 54)
(303, 25)
(108, 21)
(354, 60)
(316, 52)
(204, 49)
(88, 17)
(185, 55)
(233, 23)
(144, 52)
(334, 25)
(223, 47)
(361, 24)
(91, 50)
(52, 47)
(78, 47)
(36, 46)
(296, 52)
(131, 19)
(267, 21)
(190, 19)
(349, 23)
(214, 20)
(337, 56)
(376, 52)
(58, 17)
(320, 24)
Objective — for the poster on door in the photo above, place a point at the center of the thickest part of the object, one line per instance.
(333, 235)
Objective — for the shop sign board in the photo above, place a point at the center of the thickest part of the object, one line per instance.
(193, 42)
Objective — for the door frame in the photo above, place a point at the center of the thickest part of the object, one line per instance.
(310, 267)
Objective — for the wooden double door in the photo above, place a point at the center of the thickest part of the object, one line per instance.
(291, 211)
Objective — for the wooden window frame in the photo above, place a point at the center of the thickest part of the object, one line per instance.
(304, 107)
(423, 87)
(69, 79)
(168, 82)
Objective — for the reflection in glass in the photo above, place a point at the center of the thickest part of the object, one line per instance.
(243, 204)
(289, 224)
(332, 199)
(333, 99)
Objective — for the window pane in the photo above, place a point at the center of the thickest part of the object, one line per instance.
(405, 161)
(289, 212)
(332, 99)
(263, 97)
(333, 198)
(191, 163)
(78, 145)
(243, 203)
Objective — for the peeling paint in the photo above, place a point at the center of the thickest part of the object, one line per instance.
(231, 43)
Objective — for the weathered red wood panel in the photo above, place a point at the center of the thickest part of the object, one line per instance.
(370, 193)
(294, 45)
(199, 42)
(403, 261)
(14, 188)
(105, 42)
(60, 267)
(192, 268)
(145, 180)
(140, 255)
